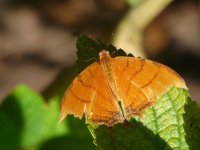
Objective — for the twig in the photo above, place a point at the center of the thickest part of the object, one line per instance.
(129, 33)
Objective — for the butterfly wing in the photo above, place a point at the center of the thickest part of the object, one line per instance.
(77, 96)
(89, 93)
(141, 82)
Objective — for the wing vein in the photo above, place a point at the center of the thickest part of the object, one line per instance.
(153, 78)
(139, 89)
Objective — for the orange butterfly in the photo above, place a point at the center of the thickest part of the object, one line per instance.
(115, 89)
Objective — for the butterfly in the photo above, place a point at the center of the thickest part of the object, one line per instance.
(113, 90)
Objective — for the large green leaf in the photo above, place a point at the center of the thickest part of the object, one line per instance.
(172, 123)
(27, 121)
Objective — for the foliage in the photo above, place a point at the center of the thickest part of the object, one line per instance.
(88, 51)
(27, 121)
(161, 127)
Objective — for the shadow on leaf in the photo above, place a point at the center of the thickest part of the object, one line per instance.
(192, 124)
(88, 51)
(11, 123)
(77, 138)
(130, 135)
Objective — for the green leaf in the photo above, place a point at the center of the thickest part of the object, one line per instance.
(77, 138)
(192, 124)
(28, 119)
(166, 118)
(127, 136)
(172, 123)
(9, 136)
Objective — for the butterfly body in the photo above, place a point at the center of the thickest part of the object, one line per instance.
(115, 89)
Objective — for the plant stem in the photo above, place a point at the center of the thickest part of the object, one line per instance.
(112, 138)
(129, 34)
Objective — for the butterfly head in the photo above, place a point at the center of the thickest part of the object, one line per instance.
(104, 54)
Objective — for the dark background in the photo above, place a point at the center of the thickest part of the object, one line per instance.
(38, 40)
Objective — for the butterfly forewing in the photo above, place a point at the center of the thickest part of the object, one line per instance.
(141, 82)
(89, 93)
(77, 97)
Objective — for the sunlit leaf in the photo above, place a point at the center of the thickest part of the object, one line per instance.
(172, 123)
(28, 119)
